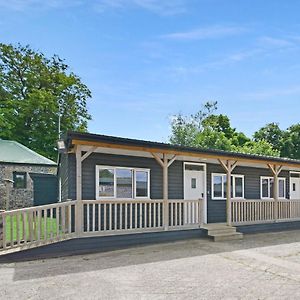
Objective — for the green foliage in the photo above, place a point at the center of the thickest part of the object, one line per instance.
(260, 147)
(206, 129)
(34, 91)
(270, 133)
(291, 142)
(286, 142)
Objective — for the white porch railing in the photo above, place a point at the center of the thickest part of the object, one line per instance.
(264, 211)
(36, 226)
(104, 217)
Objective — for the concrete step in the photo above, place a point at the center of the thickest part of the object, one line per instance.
(231, 230)
(228, 237)
(222, 232)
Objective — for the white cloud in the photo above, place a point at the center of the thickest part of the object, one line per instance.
(22, 5)
(274, 92)
(274, 42)
(162, 7)
(205, 33)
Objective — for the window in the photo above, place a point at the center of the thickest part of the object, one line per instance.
(124, 183)
(142, 183)
(193, 183)
(119, 182)
(267, 188)
(20, 180)
(219, 183)
(106, 182)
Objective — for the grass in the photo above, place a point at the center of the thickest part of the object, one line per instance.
(11, 228)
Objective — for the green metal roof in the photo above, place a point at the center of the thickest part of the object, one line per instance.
(14, 152)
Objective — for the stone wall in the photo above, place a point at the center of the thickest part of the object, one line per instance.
(19, 198)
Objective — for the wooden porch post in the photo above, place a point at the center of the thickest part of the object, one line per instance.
(165, 164)
(166, 191)
(275, 169)
(228, 166)
(79, 206)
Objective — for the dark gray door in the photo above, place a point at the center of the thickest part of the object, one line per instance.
(45, 189)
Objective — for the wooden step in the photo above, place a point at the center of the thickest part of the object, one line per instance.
(231, 230)
(227, 237)
(222, 232)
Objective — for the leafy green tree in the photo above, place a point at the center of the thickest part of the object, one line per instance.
(291, 142)
(34, 92)
(214, 131)
(271, 133)
(260, 147)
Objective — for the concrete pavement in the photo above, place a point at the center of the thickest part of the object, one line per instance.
(262, 266)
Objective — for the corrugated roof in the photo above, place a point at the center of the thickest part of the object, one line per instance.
(14, 152)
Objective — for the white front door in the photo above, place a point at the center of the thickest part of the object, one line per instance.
(194, 189)
(193, 185)
(295, 188)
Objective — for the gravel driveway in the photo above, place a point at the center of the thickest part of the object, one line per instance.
(262, 266)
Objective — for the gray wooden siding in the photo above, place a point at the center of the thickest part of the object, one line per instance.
(156, 190)
(63, 175)
(216, 208)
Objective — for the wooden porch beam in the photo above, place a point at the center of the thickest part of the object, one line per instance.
(172, 160)
(88, 153)
(158, 159)
(181, 153)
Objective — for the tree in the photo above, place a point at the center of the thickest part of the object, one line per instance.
(34, 92)
(291, 142)
(206, 129)
(272, 134)
(260, 147)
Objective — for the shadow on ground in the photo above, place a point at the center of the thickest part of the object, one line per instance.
(144, 255)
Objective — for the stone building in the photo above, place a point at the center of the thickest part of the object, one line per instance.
(18, 164)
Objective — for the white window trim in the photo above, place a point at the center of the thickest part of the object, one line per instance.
(233, 186)
(234, 176)
(134, 183)
(212, 186)
(114, 168)
(269, 184)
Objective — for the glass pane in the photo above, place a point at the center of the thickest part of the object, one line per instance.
(238, 187)
(193, 183)
(106, 183)
(217, 182)
(265, 192)
(294, 187)
(141, 184)
(194, 167)
(271, 187)
(281, 188)
(124, 183)
(20, 181)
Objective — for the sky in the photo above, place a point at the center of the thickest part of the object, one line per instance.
(147, 60)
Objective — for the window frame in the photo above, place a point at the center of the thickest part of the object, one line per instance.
(223, 175)
(15, 173)
(269, 186)
(115, 168)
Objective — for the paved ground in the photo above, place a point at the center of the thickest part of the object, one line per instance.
(262, 266)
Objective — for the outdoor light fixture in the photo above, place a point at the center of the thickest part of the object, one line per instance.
(61, 146)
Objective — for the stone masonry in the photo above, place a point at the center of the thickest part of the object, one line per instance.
(18, 197)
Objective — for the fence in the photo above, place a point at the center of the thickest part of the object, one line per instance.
(41, 225)
(264, 211)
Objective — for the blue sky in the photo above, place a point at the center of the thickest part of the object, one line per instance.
(146, 60)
